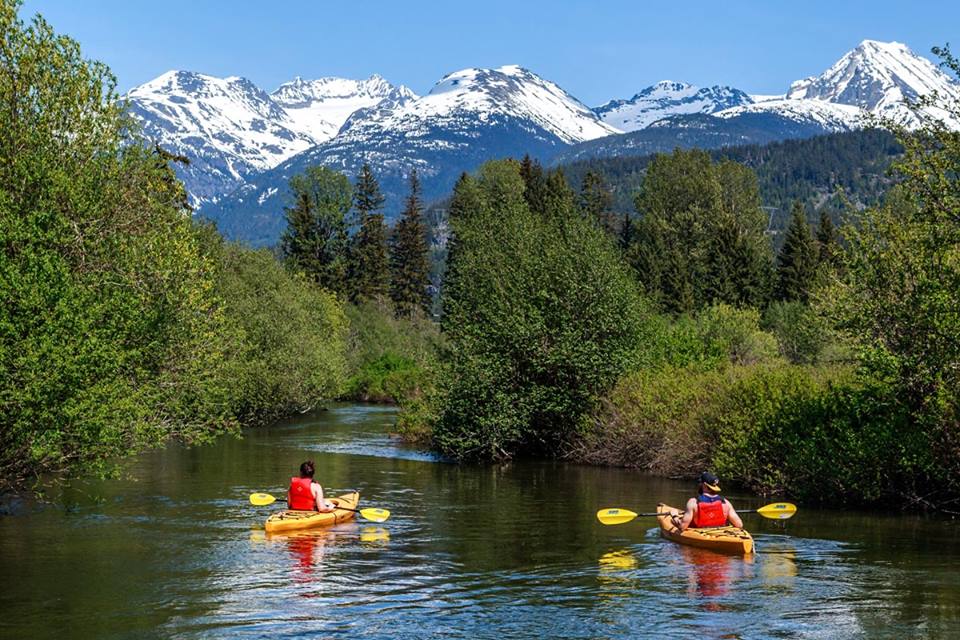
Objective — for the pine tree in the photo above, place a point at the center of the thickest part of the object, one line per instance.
(827, 245)
(409, 263)
(535, 185)
(369, 260)
(627, 232)
(560, 200)
(596, 199)
(465, 203)
(315, 240)
(797, 262)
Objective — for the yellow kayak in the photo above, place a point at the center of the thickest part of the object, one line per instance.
(290, 520)
(731, 540)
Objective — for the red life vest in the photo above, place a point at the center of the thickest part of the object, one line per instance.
(300, 495)
(710, 514)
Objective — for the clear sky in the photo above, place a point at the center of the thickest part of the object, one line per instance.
(594, 50)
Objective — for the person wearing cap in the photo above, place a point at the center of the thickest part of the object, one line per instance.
(709, 508)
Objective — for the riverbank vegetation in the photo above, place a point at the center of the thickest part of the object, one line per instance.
(125, 324)
(826, 370)
(679, 336)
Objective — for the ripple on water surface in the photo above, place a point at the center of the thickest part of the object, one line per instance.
(512, 551)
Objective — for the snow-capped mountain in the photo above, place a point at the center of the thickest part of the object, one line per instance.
(321, 106)
(668, 98)
(468, 117)
(230, 129)
(830, 117)
(875, 78)
(247, 143)
(227, 127)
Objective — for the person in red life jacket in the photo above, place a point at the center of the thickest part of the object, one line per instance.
(305, 494)
(709, 508)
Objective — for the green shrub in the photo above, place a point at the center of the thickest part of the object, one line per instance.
(802, 335)
(543, 317)
(289, 335)
(386, 379)
(389, 358)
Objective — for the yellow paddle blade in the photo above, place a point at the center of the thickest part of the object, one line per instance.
(375, 515)
(261, 499)
(778, 510)
(615, 516)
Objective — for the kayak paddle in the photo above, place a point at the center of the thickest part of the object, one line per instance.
(775, 511)
(371, 513)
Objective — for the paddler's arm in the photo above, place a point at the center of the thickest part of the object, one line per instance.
(733, 517)
(322, 505)
(687, 518)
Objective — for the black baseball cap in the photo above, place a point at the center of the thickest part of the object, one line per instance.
(711, 481)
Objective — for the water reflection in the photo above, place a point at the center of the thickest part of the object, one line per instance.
(471, 552)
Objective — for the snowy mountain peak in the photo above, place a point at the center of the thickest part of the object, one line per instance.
(668, 98)
(512, 91)
(876, 76)
(322, 106)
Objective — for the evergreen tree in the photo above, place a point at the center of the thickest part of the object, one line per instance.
(409, 263)
(797, 262)
(315, 240)
(465, 203)
(828, 247)
(627, 232)
(560, 201)
(369, 260)
(700, 238)
(535, 185)
(596, 200)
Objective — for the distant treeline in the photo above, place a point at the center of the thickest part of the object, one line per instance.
(835, 172)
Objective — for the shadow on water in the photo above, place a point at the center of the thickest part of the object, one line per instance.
(175, 550)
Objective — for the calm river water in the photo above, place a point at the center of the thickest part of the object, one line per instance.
(176, 551)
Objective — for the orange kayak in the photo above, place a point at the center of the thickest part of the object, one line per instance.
(290, 520)
(732, 540)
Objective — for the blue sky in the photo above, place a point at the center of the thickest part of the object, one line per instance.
(596, 51)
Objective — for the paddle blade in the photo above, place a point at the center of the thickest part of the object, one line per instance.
(261, 499)
(778, 510)
(615, 516)
(375, 515)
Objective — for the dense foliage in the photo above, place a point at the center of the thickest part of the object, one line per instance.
(110, 335)
(315, 241)
(288, 336)
(541, 317)
(822, 172)
(700, 237)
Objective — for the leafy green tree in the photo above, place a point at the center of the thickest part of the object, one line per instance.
(369, 258)
(541, 318)
(315, 241)
(596, 201)
(409, 264)
(288, 336)
(110, 338)
(797, 262)
(700, 237)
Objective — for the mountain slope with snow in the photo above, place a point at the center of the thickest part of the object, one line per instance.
(873, 79)
(320, 107)
(469, 116)
(668, 98)
(230, 129)
(227, 127)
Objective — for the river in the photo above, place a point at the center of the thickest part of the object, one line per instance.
(175, 550)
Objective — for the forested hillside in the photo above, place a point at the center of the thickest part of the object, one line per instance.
(820, 171)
